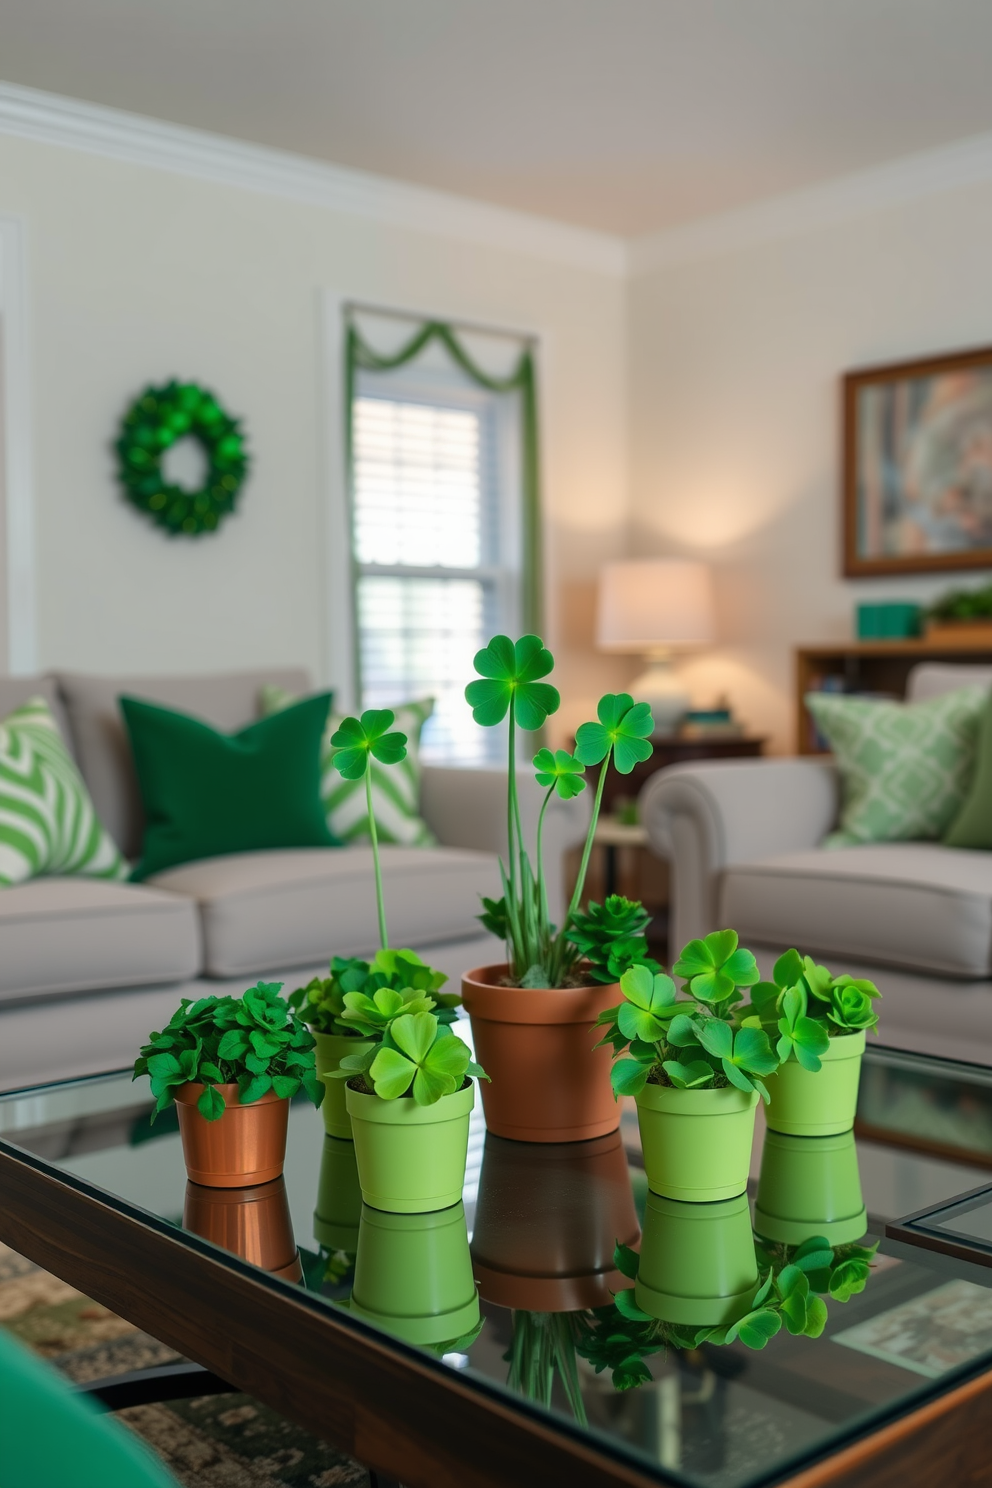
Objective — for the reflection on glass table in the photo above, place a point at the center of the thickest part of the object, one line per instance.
(675, 1333)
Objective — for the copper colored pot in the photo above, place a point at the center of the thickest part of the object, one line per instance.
(548, 1084)
(246, 1146)
(548, 1218)
(254, 1223)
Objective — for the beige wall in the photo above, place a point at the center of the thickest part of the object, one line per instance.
(735, 361)
(138, 274)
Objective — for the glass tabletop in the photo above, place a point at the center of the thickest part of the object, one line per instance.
(517, 1284)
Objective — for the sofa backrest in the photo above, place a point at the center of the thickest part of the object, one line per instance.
(227, 700)
(929, 679)
(16, 690)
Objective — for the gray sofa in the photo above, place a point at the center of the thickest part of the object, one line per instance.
(88, 968)
(743, 839)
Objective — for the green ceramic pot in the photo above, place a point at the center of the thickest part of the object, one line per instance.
(810, 1186)
(697, 1263)
(696, 1143)
(331, 1049)
(411, 1158)
(339, 1197)
(413, 1275)
(803, 1104)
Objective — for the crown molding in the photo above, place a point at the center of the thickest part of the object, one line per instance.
(48, 118)
(861, 194)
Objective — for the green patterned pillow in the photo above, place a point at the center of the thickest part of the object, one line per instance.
(395, 790)
(905, 768)
(47, 821)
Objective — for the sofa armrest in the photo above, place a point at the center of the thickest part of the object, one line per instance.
(705, 816)
(467, 808)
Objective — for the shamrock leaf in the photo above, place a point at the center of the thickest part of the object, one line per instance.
(624, 726)
(629, 1076)
(804, 1037)
(715, 967)
(649, 1005)
(510, 674)
(688, 1076)
(356, 739)
(428, 1061)
(756, 1328)
(375, 1014)
(562, 770)
(626, 1260)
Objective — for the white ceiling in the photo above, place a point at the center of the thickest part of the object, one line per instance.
(622, 115)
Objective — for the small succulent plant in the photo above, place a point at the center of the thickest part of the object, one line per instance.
(697, 1041)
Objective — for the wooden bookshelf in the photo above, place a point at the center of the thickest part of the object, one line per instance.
(876, 666)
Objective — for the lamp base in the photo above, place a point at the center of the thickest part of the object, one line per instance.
(663, 690)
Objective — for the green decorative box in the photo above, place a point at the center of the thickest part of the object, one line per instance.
(888, 621)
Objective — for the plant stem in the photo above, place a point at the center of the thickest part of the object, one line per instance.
(511, 804)
(545, 921)
(580, 882)
(380, 901)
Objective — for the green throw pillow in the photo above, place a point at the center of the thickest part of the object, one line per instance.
(972, 827)
(395, 788)
(47, 821)
(905, 767)
(206, 793)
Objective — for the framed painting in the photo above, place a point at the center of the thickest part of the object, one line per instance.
(918, 466)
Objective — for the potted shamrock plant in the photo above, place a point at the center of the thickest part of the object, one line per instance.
(820, 1022)
(531, 1014)
(356, 743)
(232, 1065)
(694, 1067)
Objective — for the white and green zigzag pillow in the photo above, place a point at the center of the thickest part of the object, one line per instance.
(905, 768)
(395, 788)
(47, 821)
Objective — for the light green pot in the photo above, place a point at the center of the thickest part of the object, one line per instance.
(697, 1263)
(339, 1197)
(803, 1104)
(411, 1158)
(810, 1186)
(331, 1049)
(413, 1275)
(696, 1143)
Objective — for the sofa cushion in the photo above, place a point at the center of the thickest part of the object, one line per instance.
(78, 934)
(267, 909)
(14, 691)
(917, 905)
(227, 700)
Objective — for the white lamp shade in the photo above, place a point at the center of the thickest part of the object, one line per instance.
(649, 603)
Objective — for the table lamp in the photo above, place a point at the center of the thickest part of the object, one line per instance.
(655, 605)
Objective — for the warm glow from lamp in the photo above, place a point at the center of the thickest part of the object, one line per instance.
(652, 605)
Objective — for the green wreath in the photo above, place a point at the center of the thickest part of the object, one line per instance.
(156, 419)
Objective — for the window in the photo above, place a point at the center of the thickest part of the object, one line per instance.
(436, 492)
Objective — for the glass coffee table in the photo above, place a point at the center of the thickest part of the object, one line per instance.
(463, 1347)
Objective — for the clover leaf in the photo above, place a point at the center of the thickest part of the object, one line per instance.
(562, 770)
(716, 966)
(801, 1036)
(743, 1055)
(688, 1076)
(649, 1004)
(356, 739)
(374, 1015)
(624, 726)
(428, 1061)
(510, 674)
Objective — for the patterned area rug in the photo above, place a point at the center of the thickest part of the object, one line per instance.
(217, 1441)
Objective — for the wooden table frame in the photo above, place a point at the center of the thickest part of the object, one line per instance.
(393, 1408)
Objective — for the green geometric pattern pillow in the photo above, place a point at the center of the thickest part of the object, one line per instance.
(905, 768)
(395, 788)
(47, 821)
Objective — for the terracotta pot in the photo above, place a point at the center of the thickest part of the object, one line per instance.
(547, 1220)
(254, 1223)
(548, 1084)
(244, 1147)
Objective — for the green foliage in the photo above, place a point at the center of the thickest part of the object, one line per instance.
(696, 1042)
(356, 740)
(807, 1006)
(412, 1051)
(255, 1041)
(963, 604)
(610, 938)
(510, 687)
(794, 1282)
(543, 1348)
(321, 1003)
